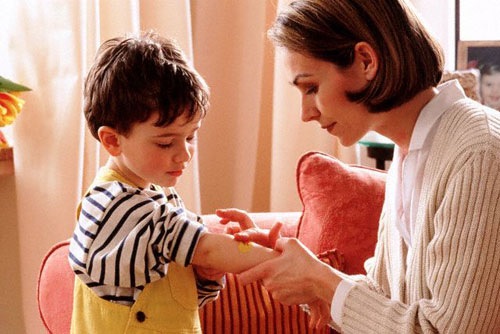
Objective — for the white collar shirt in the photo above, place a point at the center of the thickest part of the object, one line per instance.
(406, 172)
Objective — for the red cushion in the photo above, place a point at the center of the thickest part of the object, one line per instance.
(341, 207)
(55, 289)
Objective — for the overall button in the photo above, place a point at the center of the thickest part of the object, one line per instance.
(140, 316)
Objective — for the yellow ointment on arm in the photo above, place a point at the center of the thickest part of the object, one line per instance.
(244, 247)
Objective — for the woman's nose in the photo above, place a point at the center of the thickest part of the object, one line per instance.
(309, 111)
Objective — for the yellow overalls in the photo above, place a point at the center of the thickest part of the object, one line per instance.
(168, 305)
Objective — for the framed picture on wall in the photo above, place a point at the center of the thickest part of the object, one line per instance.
(473, 54)
(484, 56)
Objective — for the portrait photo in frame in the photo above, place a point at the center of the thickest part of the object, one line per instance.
(485, 57)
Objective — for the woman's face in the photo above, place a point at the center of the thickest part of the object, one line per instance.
(490, 90)
(323, 88)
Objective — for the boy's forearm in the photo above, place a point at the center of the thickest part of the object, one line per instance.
(222, 252)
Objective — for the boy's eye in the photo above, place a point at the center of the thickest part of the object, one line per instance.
(164, 145)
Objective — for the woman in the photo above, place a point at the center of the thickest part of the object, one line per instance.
(372, 65)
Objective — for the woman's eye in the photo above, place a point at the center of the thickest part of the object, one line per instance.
(311, 90)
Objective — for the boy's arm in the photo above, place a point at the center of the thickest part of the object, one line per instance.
(209, 280)
(221, 252)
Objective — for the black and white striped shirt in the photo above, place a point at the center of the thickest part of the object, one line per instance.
(126, 236)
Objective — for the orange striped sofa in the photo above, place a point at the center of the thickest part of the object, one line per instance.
(341, 206)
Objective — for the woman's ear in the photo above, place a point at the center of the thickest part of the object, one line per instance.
(368, 58)
(109, 139)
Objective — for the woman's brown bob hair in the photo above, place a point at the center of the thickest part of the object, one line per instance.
(410, 59)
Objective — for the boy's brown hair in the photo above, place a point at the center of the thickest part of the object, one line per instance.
(135, 76)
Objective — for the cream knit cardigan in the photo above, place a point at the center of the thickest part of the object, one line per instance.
(449, 280)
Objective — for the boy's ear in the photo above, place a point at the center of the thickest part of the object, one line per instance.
(109, 138)
(369, 59)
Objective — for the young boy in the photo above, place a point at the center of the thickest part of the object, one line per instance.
(134, 243)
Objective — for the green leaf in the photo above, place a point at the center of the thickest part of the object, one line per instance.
(9, 86)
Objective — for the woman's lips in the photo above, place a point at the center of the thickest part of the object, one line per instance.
(330, 127)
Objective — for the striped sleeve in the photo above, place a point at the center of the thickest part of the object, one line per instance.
(126, 236)
(208, 290)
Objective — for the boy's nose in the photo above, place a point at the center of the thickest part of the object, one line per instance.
(184, 154)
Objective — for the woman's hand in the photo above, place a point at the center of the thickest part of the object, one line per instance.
(247, 230)
(319, 314)
(297, 276)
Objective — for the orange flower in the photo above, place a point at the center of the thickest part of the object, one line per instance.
(10, 107)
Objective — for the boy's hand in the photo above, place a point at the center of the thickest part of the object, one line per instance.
(247, 230)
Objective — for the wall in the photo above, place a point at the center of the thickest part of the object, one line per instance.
(11, 315)
(439, 17)
(479, 20)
